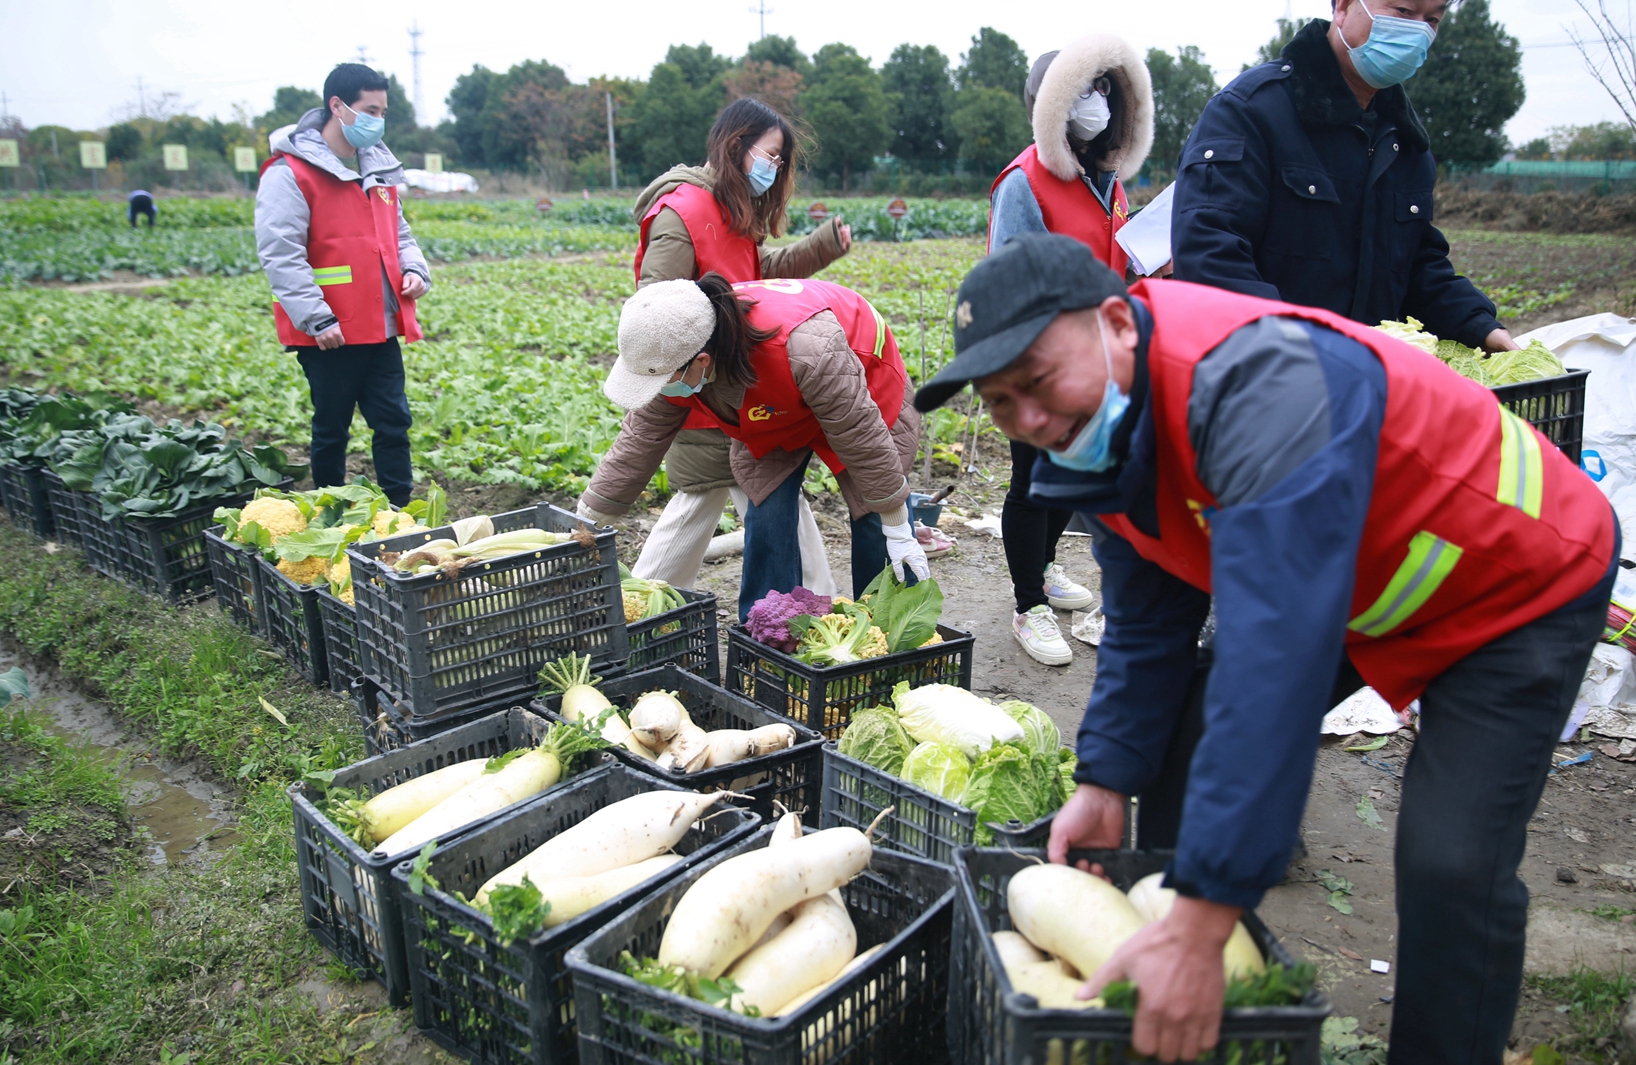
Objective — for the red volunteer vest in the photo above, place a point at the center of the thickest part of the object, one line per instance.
(1073, 210)
(351, 238)
(715, 247)
(774, 414)
(1477, 524)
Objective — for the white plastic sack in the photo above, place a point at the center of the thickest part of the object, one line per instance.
(1604, 344)
(447, 181)
(1608, 693)
(1365, 711)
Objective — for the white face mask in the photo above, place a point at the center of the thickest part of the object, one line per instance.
(1089, 116)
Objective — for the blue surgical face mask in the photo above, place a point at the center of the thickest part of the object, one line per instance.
(681, 389)
(1395, 49)
(762, 175)
(366, 130)
(1091, 450)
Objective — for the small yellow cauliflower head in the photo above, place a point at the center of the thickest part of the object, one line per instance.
(340, 580)
(393, 523)
(305, 571)
(635, 604)
(279, 517)
(874, 645)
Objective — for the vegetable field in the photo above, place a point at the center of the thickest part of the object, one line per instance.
(506, 389)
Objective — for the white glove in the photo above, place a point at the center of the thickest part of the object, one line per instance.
(904, 550)
(583, 510)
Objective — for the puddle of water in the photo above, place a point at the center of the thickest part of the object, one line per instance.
(183, 815)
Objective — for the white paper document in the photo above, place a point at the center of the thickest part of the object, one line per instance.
(1146, 237)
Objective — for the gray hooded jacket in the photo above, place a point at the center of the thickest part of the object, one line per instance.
(282, 217)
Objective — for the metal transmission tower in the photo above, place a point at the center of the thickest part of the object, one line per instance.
(762, 10)
(414, 55)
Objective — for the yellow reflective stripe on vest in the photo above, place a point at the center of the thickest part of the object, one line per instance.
(1522, 475)
(880, 329)
(1430, 561)
(332, 275)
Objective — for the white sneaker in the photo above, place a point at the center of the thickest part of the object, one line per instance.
(1038, 633)
(1062, 593)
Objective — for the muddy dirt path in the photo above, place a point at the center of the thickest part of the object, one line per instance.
(1582, 843)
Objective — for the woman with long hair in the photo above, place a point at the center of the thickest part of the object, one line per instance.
(715, 217)
(786, 368)
(1091, 107)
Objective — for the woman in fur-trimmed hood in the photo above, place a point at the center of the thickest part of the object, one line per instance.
(1091, 105)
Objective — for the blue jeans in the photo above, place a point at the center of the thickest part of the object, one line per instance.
(368, 377)
(772, 551)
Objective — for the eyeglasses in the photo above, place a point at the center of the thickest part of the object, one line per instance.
(776, 160)
(1101, 85)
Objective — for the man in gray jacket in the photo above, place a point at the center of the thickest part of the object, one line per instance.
(343, 289)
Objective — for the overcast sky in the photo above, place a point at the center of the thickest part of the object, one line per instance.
(77, 64)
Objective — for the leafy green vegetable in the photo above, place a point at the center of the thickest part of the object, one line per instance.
(1277, 986)
(876, 737)
(516, 910)
(420, 877)
(1531, 363)
(1410, 331)
(940, 769)
(1012, 782)
(1039, 731)
(907, 614)
(677, 980)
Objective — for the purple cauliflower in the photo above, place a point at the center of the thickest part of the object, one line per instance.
(769, 619)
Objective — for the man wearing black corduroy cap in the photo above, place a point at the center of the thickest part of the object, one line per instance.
(1361, 514)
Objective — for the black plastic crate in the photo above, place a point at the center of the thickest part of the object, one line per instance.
(686, 636)
(102, 541)
(236, 572)
(64, 504)
(825, 696)
(515, 1004)
(990, 1024)
(921, 823)
(890, 1009)
(792, 776)
(294, 626)
(166, 556)
(440, 644)
(340, 621)
(22, 489)
(387, 726)
(348, 896)
(1553, 405)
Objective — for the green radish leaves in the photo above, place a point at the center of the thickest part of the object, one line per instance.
(516, 910)
(1277, 986)
(420, 877)
(500, 761)
(678, 981)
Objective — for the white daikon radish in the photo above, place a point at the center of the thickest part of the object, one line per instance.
(809, 953)
(1239, 957)
(655, 718)
(571, 677)
(1046, 981)
(622, 833)
(571, 896)
(731, 905)
(729, 745)
(787, 829)
(1071, 914)
(1015, 949)
(369, 822)
(687, 752)
(511, 777)
(807, 996)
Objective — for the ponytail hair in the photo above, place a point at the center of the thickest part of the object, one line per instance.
(734, 338)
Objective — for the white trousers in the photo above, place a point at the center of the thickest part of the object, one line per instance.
(675, 548)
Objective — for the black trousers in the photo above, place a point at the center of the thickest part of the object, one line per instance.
(1029, 531)
(142, 206)
(368, 378)
(1488, 727)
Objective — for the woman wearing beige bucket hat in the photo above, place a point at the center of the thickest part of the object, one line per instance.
(788, 368)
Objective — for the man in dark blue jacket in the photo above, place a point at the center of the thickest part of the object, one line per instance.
(1309, 179)
(1282, 428)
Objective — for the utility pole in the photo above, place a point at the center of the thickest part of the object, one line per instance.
(414, 55)
(762, 10)
(363, 55)
(613, 157)
(141, 101)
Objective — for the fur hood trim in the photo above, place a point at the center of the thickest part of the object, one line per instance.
(1074, 68)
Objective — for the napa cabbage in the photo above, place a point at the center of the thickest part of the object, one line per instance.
(943, 713)
(939, 768)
